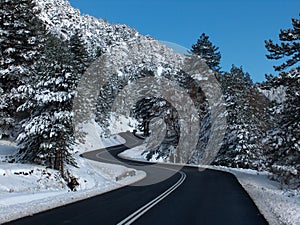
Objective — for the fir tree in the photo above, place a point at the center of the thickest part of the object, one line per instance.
(19, 44)
(246, 121)
(154, 107)
(80, 55)
(209, 52)
(285, 138)
(289, 48)
(21, 38)
(6, 121)
(48, 133)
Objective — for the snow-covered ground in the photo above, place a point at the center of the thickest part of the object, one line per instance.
(278, 205)
(27, 189)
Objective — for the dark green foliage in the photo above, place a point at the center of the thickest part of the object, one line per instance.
(288, 49)
(246, 122)
(21, 39)
(209, 52)
(80, 56)
(284, 139)
(48, 133)
(152, 107)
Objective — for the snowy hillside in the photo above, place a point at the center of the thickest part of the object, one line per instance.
(62, 19)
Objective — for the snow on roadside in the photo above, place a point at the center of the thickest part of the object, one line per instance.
(279, 206)
(121, 123)
(134, 153)
(28, 189)
(93, 140)
(22, 195)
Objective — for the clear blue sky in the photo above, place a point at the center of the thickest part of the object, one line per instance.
(237, 27)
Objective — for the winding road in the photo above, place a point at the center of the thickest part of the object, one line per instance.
(169, 195)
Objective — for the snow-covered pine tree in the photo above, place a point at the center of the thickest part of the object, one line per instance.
(6, 121)
(80, 56)
(47, 134)
(246, 122)
(283, 140)
(147, 108)
(107, 95)
(20, 30)
(206, 50)
(21, 38)
(289, 48)
(80, 60)
(152, 107)
(286, 136)
(212, 56)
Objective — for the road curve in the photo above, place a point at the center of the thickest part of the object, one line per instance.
(187, 197)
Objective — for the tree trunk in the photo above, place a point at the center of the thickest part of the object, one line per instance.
(146, 128)
(59, 161)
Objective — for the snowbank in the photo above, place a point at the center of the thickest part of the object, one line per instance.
(279, 206)
(28, 189)
(134, 153)
(121, 123)
(92, 139)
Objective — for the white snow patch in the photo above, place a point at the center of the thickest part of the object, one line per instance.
(28, 189)
(134, 153)
(275, 94)
(93, 140)
(121, 123)
(159, 71)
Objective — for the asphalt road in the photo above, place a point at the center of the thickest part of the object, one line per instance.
(164, 197)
